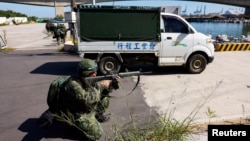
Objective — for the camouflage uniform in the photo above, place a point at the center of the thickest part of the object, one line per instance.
(50, 26)
(84, 101)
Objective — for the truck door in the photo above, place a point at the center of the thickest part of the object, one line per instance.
(177, 40)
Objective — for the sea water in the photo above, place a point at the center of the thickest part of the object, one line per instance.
(235, 30)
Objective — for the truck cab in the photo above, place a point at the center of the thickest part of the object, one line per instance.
(183, 45)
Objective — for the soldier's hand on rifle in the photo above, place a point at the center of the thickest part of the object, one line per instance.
(115, 82)
(106, 83)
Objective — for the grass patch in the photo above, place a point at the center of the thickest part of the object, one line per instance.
(163, 128)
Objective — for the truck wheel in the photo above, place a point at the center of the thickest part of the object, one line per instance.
(196, 64)
(109, 65)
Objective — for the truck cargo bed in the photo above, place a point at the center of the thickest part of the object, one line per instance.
(114, 23)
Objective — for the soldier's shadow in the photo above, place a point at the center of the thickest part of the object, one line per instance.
(58, 130)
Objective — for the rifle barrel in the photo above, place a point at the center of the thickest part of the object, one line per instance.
(111, 76)
(126, 74)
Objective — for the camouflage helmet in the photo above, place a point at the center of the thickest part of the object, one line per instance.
(86, 66)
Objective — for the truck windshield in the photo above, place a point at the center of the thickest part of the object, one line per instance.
(173, 25)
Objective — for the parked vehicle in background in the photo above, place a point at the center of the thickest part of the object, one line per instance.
(116, 36)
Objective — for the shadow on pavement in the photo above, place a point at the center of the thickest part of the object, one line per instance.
(69, 68)
(57, 68)
(155, 70)
(58, 130)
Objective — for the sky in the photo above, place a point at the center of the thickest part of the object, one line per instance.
(49, 12)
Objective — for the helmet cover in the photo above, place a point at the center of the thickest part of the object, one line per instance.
(87, 66)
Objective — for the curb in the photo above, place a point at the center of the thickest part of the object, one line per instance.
(232, 46)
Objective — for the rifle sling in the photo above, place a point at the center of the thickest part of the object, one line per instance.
(117, 97)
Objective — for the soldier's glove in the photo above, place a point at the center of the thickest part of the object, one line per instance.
(115, 83)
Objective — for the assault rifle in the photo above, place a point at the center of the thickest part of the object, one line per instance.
(113, 77)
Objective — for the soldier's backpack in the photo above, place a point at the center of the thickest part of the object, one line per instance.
(54, 91)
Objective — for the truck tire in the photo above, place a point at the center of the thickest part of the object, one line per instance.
(196, 64)
(108, 65)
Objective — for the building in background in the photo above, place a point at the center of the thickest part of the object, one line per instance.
(13, 20)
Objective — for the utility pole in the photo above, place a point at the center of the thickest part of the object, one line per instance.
(72, 26)
(73, 3)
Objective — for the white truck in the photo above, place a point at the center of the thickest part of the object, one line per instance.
(116, 36)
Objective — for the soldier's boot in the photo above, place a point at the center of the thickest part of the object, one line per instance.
(45, 120)
(102, 118)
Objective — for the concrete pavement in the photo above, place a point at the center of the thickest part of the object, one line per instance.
(28, 37)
